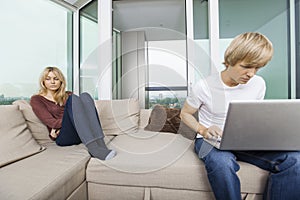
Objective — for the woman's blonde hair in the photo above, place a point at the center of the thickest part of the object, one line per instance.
(254, 49)
(60, 95)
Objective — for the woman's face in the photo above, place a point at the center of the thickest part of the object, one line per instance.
(52, 82)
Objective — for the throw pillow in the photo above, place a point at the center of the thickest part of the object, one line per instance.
(16, 141)
(37, 128)
(118, 116)
(164, 119)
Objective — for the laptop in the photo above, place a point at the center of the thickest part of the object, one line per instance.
(269, 125)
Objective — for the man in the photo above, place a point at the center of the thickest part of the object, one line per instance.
(246, 54)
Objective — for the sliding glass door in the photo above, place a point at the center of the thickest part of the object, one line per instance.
(88, 44)
(159, 73)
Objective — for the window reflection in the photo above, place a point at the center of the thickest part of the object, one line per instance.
(34, 34)
(89, 34)
(170, 99)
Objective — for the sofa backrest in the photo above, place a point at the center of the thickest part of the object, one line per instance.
(16, 141)
(37, 128)
(118, 116)
(144, 118)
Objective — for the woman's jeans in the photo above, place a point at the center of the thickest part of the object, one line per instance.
(86, 129)
(221, 166)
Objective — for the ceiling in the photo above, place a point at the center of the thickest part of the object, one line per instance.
(161, 19)
(75, 3)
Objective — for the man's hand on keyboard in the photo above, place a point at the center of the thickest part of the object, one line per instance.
(212, 132)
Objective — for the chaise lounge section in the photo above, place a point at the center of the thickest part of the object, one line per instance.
(43, 172)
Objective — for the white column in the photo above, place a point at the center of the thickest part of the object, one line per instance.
(190, 43)
(104, 83)
(293, 48)
(76, 52)
(213, 16)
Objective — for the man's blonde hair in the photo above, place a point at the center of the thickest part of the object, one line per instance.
(254, 49)
(60, 95)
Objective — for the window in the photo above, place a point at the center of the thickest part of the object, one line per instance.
(88, 48)
(297, 46)
(116, 65)
(34, 34)
(266, 17)
(167, 73)
(158, 74)
(199, 45)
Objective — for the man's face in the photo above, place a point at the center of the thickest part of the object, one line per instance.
(241, 73)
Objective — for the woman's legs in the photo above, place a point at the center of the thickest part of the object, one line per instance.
(95, 124)
(93, 118)
(81, 124)
(89, 128)
(221, 167)
(68, 134)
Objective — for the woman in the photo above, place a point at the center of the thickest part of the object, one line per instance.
(70, 119)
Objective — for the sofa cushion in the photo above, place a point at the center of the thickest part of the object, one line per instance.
(118, 116)
(162, 160)
(16, 141)
(164, 119)
(37, 128)
(52, 174)
(144, 118)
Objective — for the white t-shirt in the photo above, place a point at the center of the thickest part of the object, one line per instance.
(211, 96)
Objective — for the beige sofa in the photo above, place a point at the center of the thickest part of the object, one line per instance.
(149, 165)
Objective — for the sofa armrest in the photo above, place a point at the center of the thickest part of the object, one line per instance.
(144, 118)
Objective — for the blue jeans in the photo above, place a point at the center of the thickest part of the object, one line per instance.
(87, 129)
(221, 166)
(68, 134)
